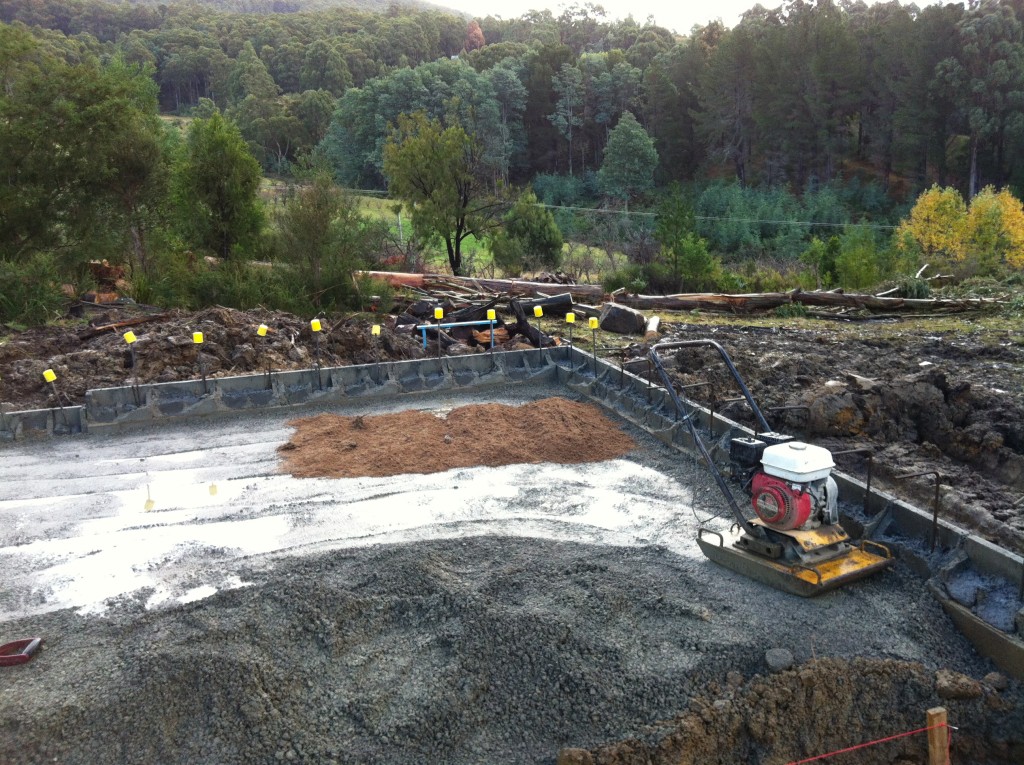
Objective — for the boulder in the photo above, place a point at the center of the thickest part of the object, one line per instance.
(621, 319)
(955, 686)
(996, 681)
(779, 659)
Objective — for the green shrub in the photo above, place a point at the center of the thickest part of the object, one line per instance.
(1015, 308)
(914, 288)
(31, 291)
(630, 277)
(791, 311)
(374, 295)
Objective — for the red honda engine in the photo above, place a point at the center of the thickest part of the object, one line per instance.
(778, 504)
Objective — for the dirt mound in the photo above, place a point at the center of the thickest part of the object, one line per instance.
(551, 430)
(91, 357)
(949, 402)
(825, 706)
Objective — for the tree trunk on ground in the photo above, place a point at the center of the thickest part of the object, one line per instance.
(523, 327)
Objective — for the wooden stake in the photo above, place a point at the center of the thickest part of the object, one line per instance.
(938, 737)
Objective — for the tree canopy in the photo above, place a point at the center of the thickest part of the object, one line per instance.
(217, 185)
(441, 174)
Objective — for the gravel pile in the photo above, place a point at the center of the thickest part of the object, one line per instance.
(484, 649)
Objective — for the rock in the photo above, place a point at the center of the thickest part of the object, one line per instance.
(622, 319)
(996, 681)
(733, 679)
(995, 610)
(964, 590)
(861, 384)
(955, 686)
(1019, 620)
(779, 659)
(575, 757)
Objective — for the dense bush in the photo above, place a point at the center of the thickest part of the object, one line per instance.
(30, 291)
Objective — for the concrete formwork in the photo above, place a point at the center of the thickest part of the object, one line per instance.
(647, 406)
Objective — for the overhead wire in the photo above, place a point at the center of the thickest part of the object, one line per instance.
(718, 218)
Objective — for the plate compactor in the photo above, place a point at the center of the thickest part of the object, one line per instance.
(794, 542)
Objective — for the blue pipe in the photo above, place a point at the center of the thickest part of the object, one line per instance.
(424, 327)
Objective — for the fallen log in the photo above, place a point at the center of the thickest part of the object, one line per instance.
(587, 292)
(472, 312)
(651, 330)
(91, 332)
(586, 311)
(395, 279)
(523, 327)
(556, 305)
(749, 303)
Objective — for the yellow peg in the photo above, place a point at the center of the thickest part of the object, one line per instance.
(197, 338)
(439, 313)
(491, 315)
(593, 322)
(315, 325)
(375, 330)
(129, 337)
(150, 504)
(261, 330)
(49, 375)
(538, 311)
(570, 318)
(213, 490)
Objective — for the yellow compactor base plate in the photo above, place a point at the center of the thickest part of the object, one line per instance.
(856, 562)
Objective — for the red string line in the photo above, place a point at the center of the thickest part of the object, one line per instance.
(949, 740)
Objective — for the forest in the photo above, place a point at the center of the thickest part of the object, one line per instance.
(814, 144)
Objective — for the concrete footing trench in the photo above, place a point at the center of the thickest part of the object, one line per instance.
(199, 605)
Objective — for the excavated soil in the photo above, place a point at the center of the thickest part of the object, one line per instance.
(332, 446)
(918, 400)
(778, 719)
(87, 357)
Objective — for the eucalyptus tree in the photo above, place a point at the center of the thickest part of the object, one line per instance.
(441, 173)
(81, 156)
(568, 113)
(447, 89)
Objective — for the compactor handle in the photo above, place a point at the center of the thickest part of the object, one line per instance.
(754, 531)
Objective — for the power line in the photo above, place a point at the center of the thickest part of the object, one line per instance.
(722, 218)
(796, 222)
(718, 218)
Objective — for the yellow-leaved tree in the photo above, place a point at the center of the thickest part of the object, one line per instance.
(936, 227)
(995, 231)
(981, 239)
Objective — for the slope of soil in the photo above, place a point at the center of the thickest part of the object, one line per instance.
(165, 351)
(824, 706)
(919, 400)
